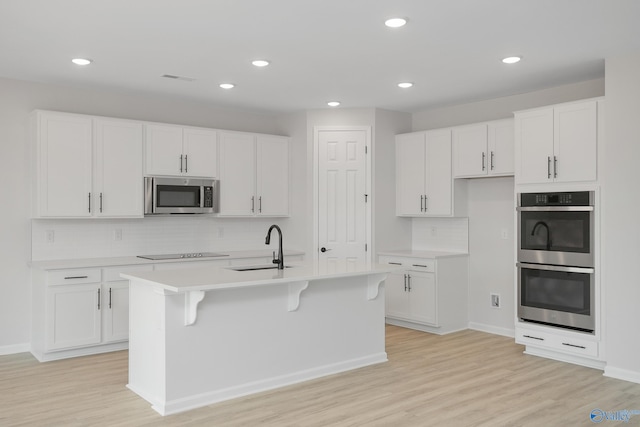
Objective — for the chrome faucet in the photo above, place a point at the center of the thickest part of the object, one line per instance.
(543, 224)
(280, 259)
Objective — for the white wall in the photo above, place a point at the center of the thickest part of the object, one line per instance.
(620, 224)
(491, 203)
(17, 100)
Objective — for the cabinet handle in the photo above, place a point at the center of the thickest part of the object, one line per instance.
(89, 202)
(253, 204)
(555, 167)
(492, 167)
(419, 265)
(100, 202)
(109, 298)
(98, 299)
(394, 263)
(421, 203)
(405, 283)
(425, 203)
(409, 282)
(186, 163)
(180, 163)
(574, 345)
(483, 156)
(533, 338)
(260, 204)
(548, 167)
(76, 277)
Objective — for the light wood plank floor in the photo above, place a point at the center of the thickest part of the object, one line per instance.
(467, 378)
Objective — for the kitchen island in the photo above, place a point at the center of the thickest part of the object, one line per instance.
(204, 335)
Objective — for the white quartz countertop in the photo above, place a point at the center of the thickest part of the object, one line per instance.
(212, 278)
(134, 260)
(422, 254)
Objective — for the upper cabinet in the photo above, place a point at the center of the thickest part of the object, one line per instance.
(423, 174)
(557, 143)
(484, 149)
(254, 174)
(180, 151)
(86, 166)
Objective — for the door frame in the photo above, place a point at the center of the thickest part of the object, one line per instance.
(316, 185)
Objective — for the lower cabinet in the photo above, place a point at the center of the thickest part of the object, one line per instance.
(427, 294)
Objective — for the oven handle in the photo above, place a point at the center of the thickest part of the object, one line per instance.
(555, 209)
(555, 268)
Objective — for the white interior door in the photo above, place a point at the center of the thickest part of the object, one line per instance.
(342, 196)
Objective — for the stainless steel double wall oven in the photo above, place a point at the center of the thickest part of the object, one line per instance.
(556, 260)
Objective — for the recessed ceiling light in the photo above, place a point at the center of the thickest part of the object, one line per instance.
(227, 85)
(260, 63)
(81, 61)
(395, 22)
(405, 85)
(511, 59)
(333, 103)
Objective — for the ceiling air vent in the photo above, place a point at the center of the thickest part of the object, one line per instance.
(171, 76)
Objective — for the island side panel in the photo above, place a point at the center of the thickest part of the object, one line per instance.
(147, 348)
(245, 340)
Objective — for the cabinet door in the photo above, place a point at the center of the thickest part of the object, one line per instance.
(439, 181)
(423, 305)
(501, 136)
(470, 151)
(64, 165)
(272, 167)
(237, 174)
(116, 311)
(575, 140)
(118, 168)
(410, 174)
(396, 296)
(73, 316)
(534, 146)
(163, 148)
(200, 148)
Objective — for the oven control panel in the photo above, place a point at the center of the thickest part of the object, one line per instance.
(575, 198)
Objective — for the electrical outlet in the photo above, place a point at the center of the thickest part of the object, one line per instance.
(117, 234)
(504, 234)
(495, 300)
(51, 236)
(434, 231)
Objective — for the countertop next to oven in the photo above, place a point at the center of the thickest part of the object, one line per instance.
(134, 260)
(409, 253)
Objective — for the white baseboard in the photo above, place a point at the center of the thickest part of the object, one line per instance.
(492, 329)
(622, 374)
(15, 348)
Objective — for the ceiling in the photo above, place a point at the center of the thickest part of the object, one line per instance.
(319, 50)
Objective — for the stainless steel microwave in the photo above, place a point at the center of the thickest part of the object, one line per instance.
(164, 195)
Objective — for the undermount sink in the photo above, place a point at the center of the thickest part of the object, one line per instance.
(255, 267)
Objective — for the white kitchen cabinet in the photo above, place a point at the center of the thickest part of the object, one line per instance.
(423, 174)
(557, 143)
(427, 294)
(484, 149)
(86, 166)
(180, 151)
(254, 175)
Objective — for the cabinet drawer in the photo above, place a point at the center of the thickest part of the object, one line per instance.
(564, 344)
(112, 274)
(68, 277)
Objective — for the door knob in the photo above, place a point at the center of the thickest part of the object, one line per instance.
(323, 249)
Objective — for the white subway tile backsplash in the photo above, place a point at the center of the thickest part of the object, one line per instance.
(440, 234)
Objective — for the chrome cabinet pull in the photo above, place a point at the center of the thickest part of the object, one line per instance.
(483, 156)
(533, 338)
(109, 298)
(100, 202)
(409, 282)
(555, 167)
(180, 163)
(76, 277)
(548, 167)
(492, 167)
(186, 163)
(260, 204)
(253, 204)
(574, 345)
(425, 203)
(89, 202)
(421, 203)
(394, 263)
(419, 265)
(98, 299)
(405, 283)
